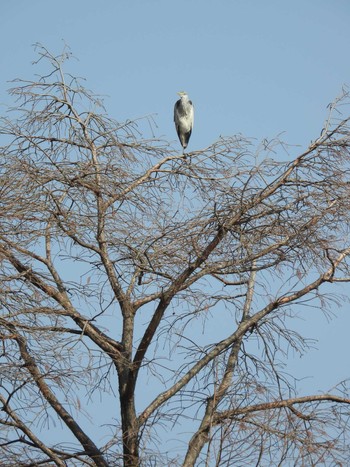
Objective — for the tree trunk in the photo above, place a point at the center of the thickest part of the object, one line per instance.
(130, 432)
(130, 426)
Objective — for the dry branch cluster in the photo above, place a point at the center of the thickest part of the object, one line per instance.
(163, 286)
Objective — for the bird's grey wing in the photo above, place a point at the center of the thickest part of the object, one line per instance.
(176, 111)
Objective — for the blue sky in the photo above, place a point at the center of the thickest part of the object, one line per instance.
(259, 68)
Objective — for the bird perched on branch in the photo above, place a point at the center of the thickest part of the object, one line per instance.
(183, 118)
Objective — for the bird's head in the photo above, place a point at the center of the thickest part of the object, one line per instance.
(182, 93)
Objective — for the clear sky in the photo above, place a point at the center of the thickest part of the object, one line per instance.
(254, 67)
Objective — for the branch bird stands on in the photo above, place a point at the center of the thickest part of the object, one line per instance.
(183, 118)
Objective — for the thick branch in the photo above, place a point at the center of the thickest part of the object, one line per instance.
(110, 346)
(90, 448)
(35, 440)
(202, 257)
(219, 417)
(201, 436)
(243, 328)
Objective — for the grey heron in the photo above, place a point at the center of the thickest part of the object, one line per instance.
(183, 118)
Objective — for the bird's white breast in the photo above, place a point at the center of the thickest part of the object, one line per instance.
(186, 119)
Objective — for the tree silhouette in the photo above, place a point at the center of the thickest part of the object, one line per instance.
(165, 285)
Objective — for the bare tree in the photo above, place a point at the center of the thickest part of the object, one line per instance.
(127, 266)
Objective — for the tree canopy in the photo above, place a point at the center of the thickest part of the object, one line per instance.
(164, 285)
